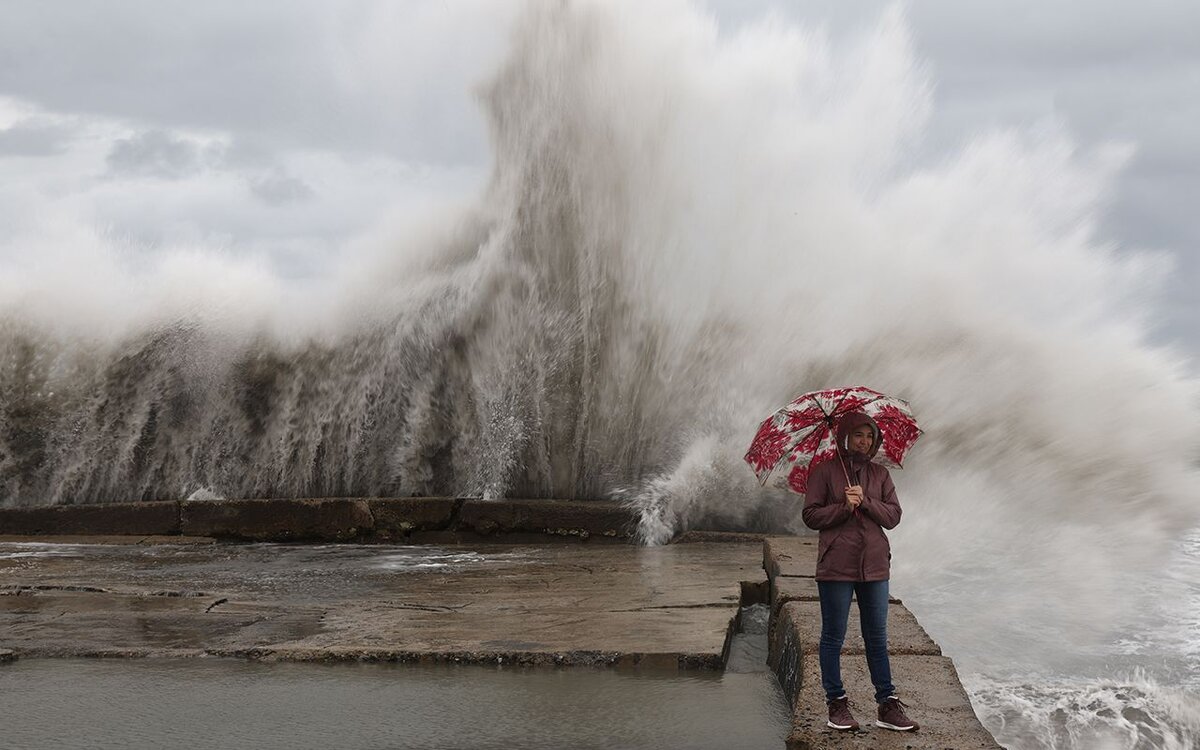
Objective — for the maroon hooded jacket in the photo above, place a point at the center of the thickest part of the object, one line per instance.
(852, 546)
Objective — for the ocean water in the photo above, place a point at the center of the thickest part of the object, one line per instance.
(683, 229)
(1133, 682)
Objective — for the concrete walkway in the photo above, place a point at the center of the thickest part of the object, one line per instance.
(550, 604)
(925, 678)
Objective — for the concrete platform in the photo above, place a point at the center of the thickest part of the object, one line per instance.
(932, 688)
(552, 604)
(924, 678)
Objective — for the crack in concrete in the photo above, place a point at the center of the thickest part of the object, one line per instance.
(50, 587)
(428, 607)
(703, 605)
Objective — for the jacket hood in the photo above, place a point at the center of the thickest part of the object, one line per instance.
(849, 423)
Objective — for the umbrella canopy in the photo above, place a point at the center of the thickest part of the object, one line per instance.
(802, 434)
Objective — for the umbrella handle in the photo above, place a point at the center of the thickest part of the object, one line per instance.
(845, 474)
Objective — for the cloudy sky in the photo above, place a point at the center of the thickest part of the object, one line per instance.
(283, 129)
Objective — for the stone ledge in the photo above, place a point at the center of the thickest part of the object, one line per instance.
(670, 660)
(725, 537)
(277, 520)
(136, 540)
(556, 518)
(396, 518)
(142, 519)
(786, 589)
(411, 519)
(790, 556)
(339, 654)
(929, 685)
(469, 537)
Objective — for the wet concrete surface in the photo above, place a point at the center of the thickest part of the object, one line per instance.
(554, 604)
(925, 679)
(929, 685)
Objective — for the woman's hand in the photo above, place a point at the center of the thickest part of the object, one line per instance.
(854, 496)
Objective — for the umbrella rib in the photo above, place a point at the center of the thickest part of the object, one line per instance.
(791, 443)
(865, 403)
(826, 414)
(783, 456)
(838, 405)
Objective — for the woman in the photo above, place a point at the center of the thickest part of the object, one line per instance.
(851, 501)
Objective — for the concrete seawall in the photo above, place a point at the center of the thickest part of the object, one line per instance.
(926, 679)
(414, 520)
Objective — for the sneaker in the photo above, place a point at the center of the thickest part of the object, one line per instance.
(839, 714)
(891, 716)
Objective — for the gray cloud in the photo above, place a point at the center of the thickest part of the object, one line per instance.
(154, 153)
(276, 189)
(167, 156)
(32, 137)
(382, 77)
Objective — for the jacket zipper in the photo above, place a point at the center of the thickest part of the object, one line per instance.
(862, 532)
(862, 557)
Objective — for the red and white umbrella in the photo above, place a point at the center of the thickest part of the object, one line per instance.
(802, 434)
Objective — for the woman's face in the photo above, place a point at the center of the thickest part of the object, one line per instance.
(861, 439)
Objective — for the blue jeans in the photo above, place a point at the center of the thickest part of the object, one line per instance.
(872, 612)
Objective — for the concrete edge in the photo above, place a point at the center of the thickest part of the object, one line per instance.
(653, 660)
(159, 518)
(441, 520)
(724, 537)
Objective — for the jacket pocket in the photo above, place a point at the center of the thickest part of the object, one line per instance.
(823, 553)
